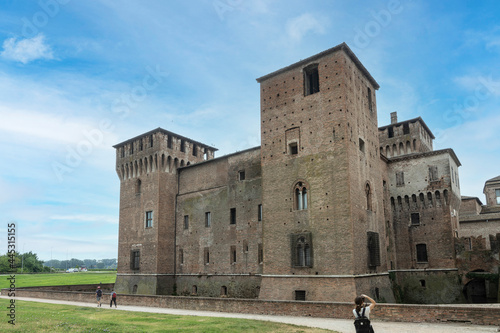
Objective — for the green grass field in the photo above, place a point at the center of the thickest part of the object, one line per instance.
(58, 279)
(41, 317)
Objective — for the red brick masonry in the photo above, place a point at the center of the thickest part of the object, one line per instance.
(486, 314)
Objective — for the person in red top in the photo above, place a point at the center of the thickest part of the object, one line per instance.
(113, 299)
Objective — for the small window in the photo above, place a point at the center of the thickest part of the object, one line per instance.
(122, 152)
(293, 148)
(131, 148)
(233, 254)
(194, 290)
(149, 219)
(433, 173)
(361, 145)
(151, 140)
(373, 249)
(497, 194)
(241, 175)
(406, 128)
(181, 256)
(368, 193)
(194, 150)
(206, 256)
(311, 80)
(400, 178)
(169, 141)
(140, 145)
(223, 291)
(415, 218)
(138, 185)
(259, 213)
(186, 221)
(208, 218)
(300, 295)
(260, 254)
(135, 259)
(370, 104)
(390, 132)
(421, 253)
(232, 219)
(422, 283)
(183, 146)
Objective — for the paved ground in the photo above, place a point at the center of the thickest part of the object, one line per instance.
(340, 325)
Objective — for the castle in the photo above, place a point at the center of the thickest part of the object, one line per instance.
(329, 206)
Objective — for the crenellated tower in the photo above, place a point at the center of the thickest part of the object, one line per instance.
(147, 167)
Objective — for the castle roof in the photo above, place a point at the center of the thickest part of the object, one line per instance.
(494, 180)
(161, 130)
(426, 154)
(340, 47)
(419, 119)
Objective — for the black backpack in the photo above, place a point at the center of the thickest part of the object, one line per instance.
(99, 292)
(362, 323)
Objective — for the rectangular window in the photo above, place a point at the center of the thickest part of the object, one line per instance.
(233, 216)
(433, 173)
(361, 145)
(260, 254)
(169, 141)
(149, 219)
(497, 194)
(151, 140)
(415, 219)
(140, 145)
(186, 221)
(208, 218)
(400, 178)
(131, 148)
(122, 152)
(311, 80)
(421, 253)
(194, 150)
(370, 104)
(259, 213)
(241, 175)
(233, 254)
(406, 128)
(206, 256)
(183, 146)
(390, 132)
(293, 149)
(300, 295)
(373, 249)
(181, 256)
(135, 259)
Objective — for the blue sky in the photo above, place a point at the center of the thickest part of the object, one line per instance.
(77, 77)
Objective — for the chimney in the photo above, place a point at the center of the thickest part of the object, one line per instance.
(394, 117)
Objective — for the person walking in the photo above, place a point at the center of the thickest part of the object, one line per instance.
(362, 314)
(113, 299)
(98, 294)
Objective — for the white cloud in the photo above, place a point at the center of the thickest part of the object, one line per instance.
(26, 50)
(299, 26)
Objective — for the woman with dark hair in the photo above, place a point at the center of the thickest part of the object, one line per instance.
(363, 310)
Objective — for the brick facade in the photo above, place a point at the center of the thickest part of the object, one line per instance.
(320, 211)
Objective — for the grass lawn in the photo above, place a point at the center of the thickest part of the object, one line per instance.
(41, 317)
(58, 279)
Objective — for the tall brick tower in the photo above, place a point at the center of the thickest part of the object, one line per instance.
(323, 229)
(147, 168)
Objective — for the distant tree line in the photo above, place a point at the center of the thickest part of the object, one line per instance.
(77, 263)
(27, 262)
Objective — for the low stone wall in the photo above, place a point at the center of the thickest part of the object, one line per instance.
(486, 314)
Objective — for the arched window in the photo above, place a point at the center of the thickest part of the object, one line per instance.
(301, 192)
(302, 250)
